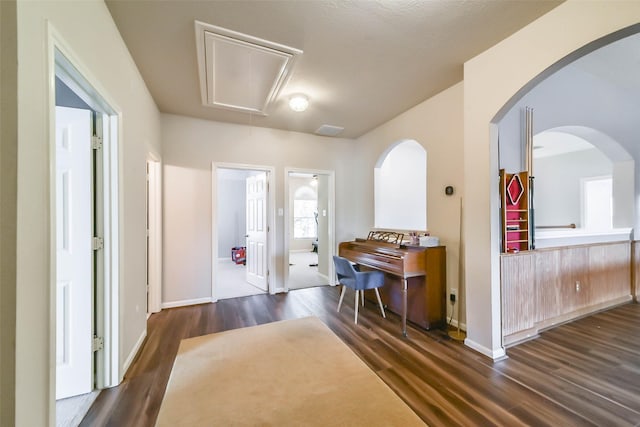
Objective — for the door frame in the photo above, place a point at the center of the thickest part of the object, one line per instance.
(154, 218)
(330, 226)
(63, 63)
(271, 203)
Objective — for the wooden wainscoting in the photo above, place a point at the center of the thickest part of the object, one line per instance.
(635, 270)
(518, 296)
(546, 287)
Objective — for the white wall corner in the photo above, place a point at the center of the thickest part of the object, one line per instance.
(134, 351)
(186, 302)
(495, 354)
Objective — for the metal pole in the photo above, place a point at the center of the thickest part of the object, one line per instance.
(532, 222)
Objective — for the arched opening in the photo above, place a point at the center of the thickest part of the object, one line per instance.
(584, 149)
(583, 179)
(494, 82)
(586, 113)
(400, 183)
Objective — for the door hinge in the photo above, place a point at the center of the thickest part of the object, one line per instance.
(97, 344)
(96, 142)
(97, 243)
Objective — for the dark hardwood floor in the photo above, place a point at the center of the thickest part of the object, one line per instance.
(583, 373)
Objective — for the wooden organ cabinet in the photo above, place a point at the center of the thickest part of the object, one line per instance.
(415, 276)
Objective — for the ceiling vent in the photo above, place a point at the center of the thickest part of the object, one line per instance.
(240, 72)
(329, 130)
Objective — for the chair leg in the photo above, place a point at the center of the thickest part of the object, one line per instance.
(341, 296)
(356, 308)
(380, 302)
(362, 296)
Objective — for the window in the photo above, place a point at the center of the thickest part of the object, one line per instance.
(304, 219)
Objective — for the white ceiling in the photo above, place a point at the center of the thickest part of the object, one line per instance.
(550, 143)
(364, 61)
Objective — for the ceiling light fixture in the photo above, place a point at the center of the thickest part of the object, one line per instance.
(298, 102)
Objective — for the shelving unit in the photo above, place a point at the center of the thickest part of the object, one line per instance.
(514, 195)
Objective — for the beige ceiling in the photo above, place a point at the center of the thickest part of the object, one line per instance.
(363, 62)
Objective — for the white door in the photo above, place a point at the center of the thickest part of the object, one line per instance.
(257, 230)
(74, 279)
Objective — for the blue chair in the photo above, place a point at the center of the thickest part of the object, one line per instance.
(350, 277)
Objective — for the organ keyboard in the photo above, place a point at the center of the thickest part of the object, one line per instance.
(415, 278)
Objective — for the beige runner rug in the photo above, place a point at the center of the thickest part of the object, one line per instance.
(288, 373)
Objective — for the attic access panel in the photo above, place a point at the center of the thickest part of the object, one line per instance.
(240, 72)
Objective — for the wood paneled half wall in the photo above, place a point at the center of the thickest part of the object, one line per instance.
(546, 287)
(635, 270)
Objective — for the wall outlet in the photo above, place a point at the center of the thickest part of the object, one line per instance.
(577, 286)
(453, 295)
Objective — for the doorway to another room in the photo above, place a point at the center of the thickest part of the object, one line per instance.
(84, 152)
(309, 222)
(241, 241)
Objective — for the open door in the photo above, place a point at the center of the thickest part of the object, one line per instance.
(256, 191)
(74, 253)
(309, 219)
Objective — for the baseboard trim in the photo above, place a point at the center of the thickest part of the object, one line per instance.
(454, 324)
(173, 304)
(492, 354)
(134, 352)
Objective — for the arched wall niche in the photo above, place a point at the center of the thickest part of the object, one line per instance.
(400, 187)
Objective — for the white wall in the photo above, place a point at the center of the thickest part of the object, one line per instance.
(8, 196)
(90, 33)
(491, 80)
(232, 215)
(189, 148)
(437, 125)
(558, 185)
(323, 225)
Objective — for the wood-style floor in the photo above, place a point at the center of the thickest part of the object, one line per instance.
(583, 373)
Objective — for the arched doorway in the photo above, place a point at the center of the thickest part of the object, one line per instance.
(491, 80)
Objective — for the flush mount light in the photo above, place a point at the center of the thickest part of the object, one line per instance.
(298, 102)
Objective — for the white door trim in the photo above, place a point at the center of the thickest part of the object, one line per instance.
(154, 257)
(331, 220)
(271, 203)
(62, 62)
